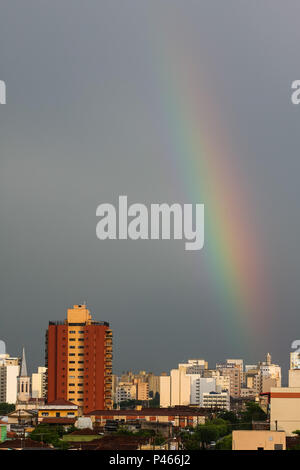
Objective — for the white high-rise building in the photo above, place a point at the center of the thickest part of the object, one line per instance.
(199, 386)
(9, 372)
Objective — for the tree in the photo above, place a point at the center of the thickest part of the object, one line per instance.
(229, 416)
(50, 434)
(225, 443)
(253, 413)
(6, 408)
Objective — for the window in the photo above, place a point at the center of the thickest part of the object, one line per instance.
(71, 370)
(71, 362)
(57, 414)
(72, 354)
(45, 414)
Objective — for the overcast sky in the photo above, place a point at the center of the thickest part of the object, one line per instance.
(87, 119)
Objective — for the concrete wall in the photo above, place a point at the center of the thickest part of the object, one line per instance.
(285, 409)
(252, 440)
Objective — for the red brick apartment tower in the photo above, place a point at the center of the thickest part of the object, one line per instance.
(79, 360)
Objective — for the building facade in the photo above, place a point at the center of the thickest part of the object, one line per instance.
(285, 409)
(24, 382)
(9, 372)
(39, 383)
(79, 360)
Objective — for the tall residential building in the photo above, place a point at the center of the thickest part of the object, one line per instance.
(239, 363)
(177, 389)
(9, 372)
(79, 360)
(146, 386)
(39, 383)
(233, 371)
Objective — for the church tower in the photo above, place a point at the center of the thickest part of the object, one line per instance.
(23, 381)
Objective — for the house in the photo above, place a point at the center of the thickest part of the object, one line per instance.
(58, 411)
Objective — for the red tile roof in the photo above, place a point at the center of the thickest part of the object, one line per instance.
(111, 443)
(21, 444)
(59, 420)
(184, 412)
(60, 402)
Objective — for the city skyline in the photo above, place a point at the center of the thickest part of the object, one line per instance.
(164, 102)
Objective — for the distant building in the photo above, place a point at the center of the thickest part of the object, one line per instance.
(24, 382)
(178, 416)
(142, 391)
(145, 386)
(199, 387)
(270, 375)
(233, 371)
(39, 383)
(263, 376)
(9, 372)
(188, 384)
(214, 400)
(295, 360)
(125, 391)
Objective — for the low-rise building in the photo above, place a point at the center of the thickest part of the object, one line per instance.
(57, 409)
(178, 416)
(258, 440)
(220, 400)
(285, 409)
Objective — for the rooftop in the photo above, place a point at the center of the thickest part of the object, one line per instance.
(176, 411)
(60, 402)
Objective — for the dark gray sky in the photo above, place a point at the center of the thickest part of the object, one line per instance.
(90, 116)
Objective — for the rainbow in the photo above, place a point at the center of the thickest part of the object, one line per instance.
(208, 168)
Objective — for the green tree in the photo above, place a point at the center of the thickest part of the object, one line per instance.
(253, 413)
(6, 408)
(225, 443)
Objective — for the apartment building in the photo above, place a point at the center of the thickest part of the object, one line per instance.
(79, 360)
